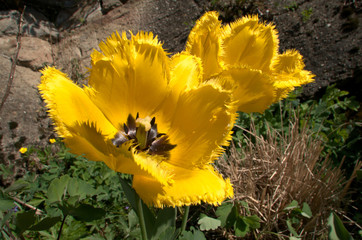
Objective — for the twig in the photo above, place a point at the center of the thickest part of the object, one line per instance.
(14, 61)
(37, 211)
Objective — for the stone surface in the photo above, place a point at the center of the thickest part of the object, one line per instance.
(9, 22)
(108, 5)
(37, 25)
(34, 53)
(70, 18)
(19, 117)
(34, 24)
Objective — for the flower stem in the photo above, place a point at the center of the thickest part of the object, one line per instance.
(61, 227)
(142, 219)
(184, 218)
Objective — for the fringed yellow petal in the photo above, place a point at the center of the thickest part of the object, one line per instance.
(186, 72)
(87, 140)
(131, 77)
(248, 42)
(251, 88)
(68, 103)
(204, 42)
(288, 72)
(202, 122)
(190, 187)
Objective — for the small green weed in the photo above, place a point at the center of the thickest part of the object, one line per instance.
(293, 6)
(306, 14)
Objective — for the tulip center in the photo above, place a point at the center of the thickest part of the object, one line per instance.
(144, 136)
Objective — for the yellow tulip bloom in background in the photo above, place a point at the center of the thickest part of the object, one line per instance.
(148, 115)
(243, 57)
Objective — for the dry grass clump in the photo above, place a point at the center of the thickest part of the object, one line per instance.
(269, 173)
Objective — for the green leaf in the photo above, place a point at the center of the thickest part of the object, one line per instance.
(78, 187)
(169, 234)
(57, 189)
(208, 223)
(5, 218)
(166, 219)
(24, 220)
(132, 219)
(85, 212)
(227, 214)
(130, 193)
(246, 206)
(17, 186)
(292, 205)
(253, 221)
(36, 201)
(6, 204)
(306, 211)
(291, 228)
(241, 227)
(336, 229)
(133, 200)
(194, 235)
(45, 223)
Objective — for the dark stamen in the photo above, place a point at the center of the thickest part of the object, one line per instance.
(151, 141)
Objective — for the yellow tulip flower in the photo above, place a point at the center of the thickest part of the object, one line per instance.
(243, 57)
(148, 115)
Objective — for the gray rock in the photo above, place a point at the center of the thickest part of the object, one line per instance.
(77, 16)
(19, 117)
(37, 25)
(108, 5)
(35, 53)
(9, 22)
(34, 24)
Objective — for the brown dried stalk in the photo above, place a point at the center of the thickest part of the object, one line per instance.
(271, 172)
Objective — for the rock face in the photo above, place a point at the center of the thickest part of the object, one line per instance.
(64, 33)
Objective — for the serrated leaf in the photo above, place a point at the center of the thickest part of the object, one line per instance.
(45, 223)
(336, 229)
(78, 187)
(208, 223)
(241, 227)
(192, 235)
(17, 186)
(226, 213)
(57, 189)
(306, 211)
(24, 220)
(253, 221)
(6, 204)
(166, 219)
